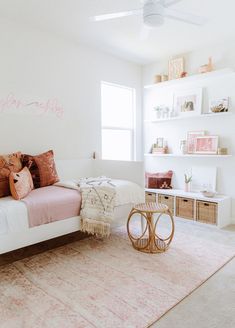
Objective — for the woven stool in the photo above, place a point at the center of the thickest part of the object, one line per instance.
(149, 241)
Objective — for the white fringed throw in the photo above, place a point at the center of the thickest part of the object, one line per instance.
(97, 211)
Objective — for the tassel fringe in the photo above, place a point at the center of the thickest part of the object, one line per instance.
(98, 228)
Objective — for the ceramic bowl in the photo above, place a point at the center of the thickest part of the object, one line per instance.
(209, 194)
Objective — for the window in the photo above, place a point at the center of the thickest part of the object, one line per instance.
(118, 117)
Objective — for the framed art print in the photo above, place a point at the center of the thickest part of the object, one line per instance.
(207, 145)
(188, 102)
(191, 140)
(175, 68)
(219, 105)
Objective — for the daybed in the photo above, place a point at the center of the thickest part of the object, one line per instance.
(14, 224)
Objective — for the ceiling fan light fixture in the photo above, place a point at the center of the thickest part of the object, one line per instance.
(153, 20)
(153, 14)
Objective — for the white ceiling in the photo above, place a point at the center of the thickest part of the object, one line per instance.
(70, 18)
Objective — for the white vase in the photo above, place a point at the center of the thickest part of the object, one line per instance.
(183, 147)
(187, 187)
(158, 114)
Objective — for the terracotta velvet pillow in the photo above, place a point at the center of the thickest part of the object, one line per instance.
(42, 168)
(161, 180)
(21, 183)
(8, 163)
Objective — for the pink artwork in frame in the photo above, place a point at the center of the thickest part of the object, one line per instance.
(207, 145)
(191, 140)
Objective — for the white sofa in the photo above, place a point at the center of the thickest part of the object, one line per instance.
(20, 235)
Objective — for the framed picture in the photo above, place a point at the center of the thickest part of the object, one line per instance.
(160, 142)
(191, 140)
(219, 105)
(204, 178)
(175, 68)
(188, 102)
(207, 145)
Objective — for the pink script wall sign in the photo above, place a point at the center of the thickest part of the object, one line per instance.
(12, 103)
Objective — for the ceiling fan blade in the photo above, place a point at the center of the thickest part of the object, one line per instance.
(169, 3)
(105, 17)
(185, 17)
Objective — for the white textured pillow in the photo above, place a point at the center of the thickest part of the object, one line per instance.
(70, 184)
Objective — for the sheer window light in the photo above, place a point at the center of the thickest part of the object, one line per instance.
(118, 117)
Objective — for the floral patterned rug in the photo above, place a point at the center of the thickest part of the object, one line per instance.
(106, 283)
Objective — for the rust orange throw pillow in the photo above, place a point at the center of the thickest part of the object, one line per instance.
(21, 183)
(8, 163)
(161, 180)
(42, 168)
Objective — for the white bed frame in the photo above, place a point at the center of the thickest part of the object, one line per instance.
(72, 169)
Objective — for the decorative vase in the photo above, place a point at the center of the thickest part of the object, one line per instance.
(183, 147)
(164, 78)
(158, 114)
(157, 78)
(187, 187)
(207, 67)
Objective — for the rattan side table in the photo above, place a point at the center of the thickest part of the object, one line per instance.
(150, 241)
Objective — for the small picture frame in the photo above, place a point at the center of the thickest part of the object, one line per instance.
(207, 145)
(191, 140)
(175, 68)
(188, 102)
(160, 142)
(219, 105)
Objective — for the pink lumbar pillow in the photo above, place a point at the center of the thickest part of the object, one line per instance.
(21, 183)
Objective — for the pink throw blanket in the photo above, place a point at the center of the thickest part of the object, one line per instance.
(49, 204)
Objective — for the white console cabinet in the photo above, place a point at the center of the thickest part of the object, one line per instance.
(193, 206)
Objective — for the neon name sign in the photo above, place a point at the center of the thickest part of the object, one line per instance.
(11, 103)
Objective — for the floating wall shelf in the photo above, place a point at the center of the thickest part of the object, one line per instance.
(192, 78)
(176, 118)
(188, 155)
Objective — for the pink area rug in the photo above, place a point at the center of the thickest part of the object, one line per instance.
(107, 284)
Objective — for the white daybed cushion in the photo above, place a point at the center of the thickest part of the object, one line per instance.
(13, 215)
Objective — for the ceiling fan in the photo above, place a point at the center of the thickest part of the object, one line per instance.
(154, 13)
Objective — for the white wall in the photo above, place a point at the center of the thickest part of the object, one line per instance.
(174, 131)
(223, 55)
(35, 66)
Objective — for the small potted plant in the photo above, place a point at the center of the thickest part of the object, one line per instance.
(158, 111)
(187, 182)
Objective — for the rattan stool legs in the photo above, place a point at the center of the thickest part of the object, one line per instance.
(150, 241)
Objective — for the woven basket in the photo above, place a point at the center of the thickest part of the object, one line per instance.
(185, 208)
(167, 200)
(207, 212)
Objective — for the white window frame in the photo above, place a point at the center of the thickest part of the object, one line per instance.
(131, 130)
